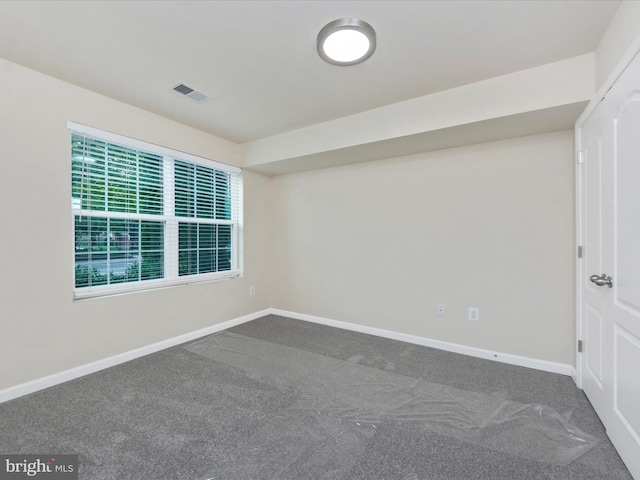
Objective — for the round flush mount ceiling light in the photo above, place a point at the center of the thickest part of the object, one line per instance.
(346, 41)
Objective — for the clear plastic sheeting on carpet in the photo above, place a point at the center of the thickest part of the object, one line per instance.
(368, 398)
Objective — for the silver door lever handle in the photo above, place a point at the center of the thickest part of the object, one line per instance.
(601, 280)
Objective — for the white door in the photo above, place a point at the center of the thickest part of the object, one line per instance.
(595, 246)
(610, 363)
(624, 305)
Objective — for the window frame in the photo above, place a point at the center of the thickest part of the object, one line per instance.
(171, 222)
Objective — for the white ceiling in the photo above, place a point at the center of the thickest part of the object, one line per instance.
(258, 62)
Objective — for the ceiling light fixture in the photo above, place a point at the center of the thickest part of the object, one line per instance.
(346, 41)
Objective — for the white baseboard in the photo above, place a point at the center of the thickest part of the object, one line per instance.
(534, 363)
(61, 377)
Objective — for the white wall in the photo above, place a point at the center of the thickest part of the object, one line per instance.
(43, 330)
(549, 86)
(377, 244)
(623, 30)
(490, 226)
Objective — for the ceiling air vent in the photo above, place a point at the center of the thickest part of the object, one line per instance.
(192, 93)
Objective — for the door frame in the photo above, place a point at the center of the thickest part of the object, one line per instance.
(624, 62)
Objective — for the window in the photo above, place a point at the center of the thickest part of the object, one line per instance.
(146, 216)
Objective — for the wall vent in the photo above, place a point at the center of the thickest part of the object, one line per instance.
(192, 93)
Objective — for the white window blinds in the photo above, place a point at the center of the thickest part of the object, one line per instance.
(147, 216)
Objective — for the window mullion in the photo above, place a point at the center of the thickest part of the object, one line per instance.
(107, 165)
(171, 224)
(137, 180)
(139, 250)
(235, 187)
(108, 240)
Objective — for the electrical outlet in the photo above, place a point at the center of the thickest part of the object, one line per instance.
(252, 290)
(440, 310)
(474, 313)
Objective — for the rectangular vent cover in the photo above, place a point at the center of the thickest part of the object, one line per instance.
(192, 93)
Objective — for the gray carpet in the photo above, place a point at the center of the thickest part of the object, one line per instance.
(283, 399)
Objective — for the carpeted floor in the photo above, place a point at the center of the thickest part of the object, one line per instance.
(283, 399)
